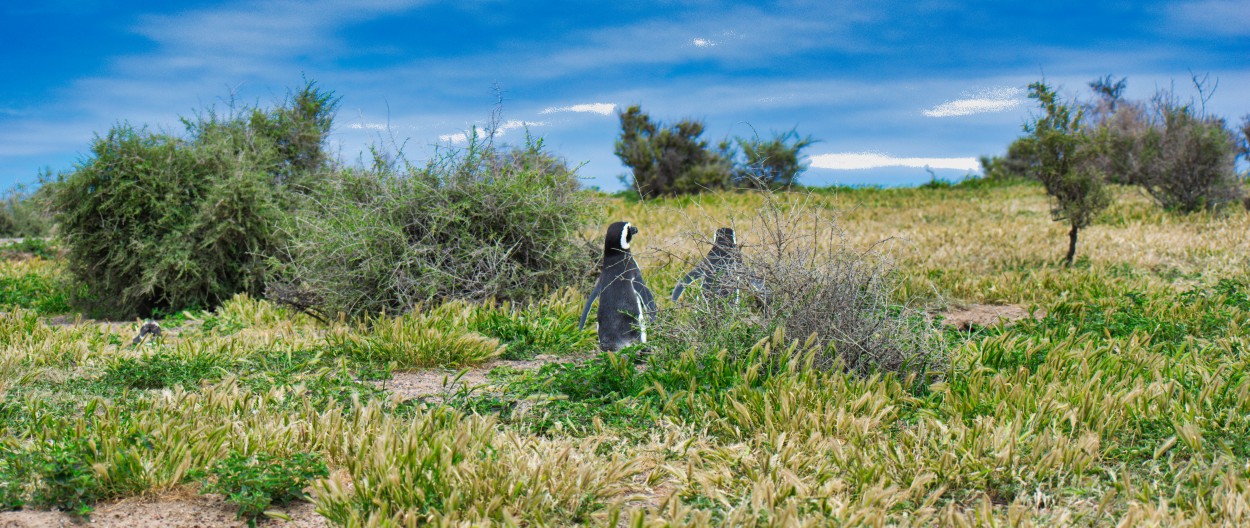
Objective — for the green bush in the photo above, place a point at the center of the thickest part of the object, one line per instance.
(476, 224)
(1192, 167)
(669, 160)
(253, 482)
(775, 163)
(11, 477)
(153, 221)
(1182, 157)
(21, 217)
(66, 477)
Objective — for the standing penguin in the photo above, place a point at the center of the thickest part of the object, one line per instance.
(625, 303)
(715, 269)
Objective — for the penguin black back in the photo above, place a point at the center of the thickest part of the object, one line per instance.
(625, 302)
(714, 269)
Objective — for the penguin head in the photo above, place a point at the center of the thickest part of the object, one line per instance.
(619, 236)
(726, 238)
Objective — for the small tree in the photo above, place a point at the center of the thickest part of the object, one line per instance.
(1059, 152)
(668, 160)
(775, 163)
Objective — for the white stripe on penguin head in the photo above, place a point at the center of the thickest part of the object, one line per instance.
(625, 236)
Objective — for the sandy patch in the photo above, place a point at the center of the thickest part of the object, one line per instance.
(173, 510)
(985, 315)
(437, 384)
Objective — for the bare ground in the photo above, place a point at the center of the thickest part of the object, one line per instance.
(174, 509)
(967, 316)
(437, 384)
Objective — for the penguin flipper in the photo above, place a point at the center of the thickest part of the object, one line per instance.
(589, 301)
(648, 299)
(694, 275)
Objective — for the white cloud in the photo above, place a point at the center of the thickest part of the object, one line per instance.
(515, 124)
(367, 126)
(702, 43)
(457, 138)
(605, 109)
(874, 160)
(985, 101)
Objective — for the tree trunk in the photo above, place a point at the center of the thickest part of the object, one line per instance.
(1071, 246)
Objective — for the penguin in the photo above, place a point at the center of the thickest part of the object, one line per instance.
(715, 268)
(625, 302)
(149, 328)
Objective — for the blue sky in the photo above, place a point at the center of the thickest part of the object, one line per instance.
(888, 87)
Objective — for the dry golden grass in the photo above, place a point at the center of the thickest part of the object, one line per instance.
(995, 245)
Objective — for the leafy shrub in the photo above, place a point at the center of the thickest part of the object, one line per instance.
(1182, 157)
(668, 160)
(66, 477)
(152, 221)
(21, 217)
(11, 477)
(775, 163)
(1192, 167)
(482, 223)
(1011, 167)
(253, 482)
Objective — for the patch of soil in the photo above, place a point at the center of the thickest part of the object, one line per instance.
(985, 315)
(435, 384)
(171, 510)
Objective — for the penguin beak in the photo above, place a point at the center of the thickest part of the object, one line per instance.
(632, 231)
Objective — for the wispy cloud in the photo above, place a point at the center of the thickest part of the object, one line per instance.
(457, 138)
(605, 109)
(1204, 17)
(874, 160)
(703, 43)
(368, 126)
(997, 99)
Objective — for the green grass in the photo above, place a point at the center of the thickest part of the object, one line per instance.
(1124, 402)
(254, 481)
(42, 293)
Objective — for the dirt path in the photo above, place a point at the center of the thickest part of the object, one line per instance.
(436, 384)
